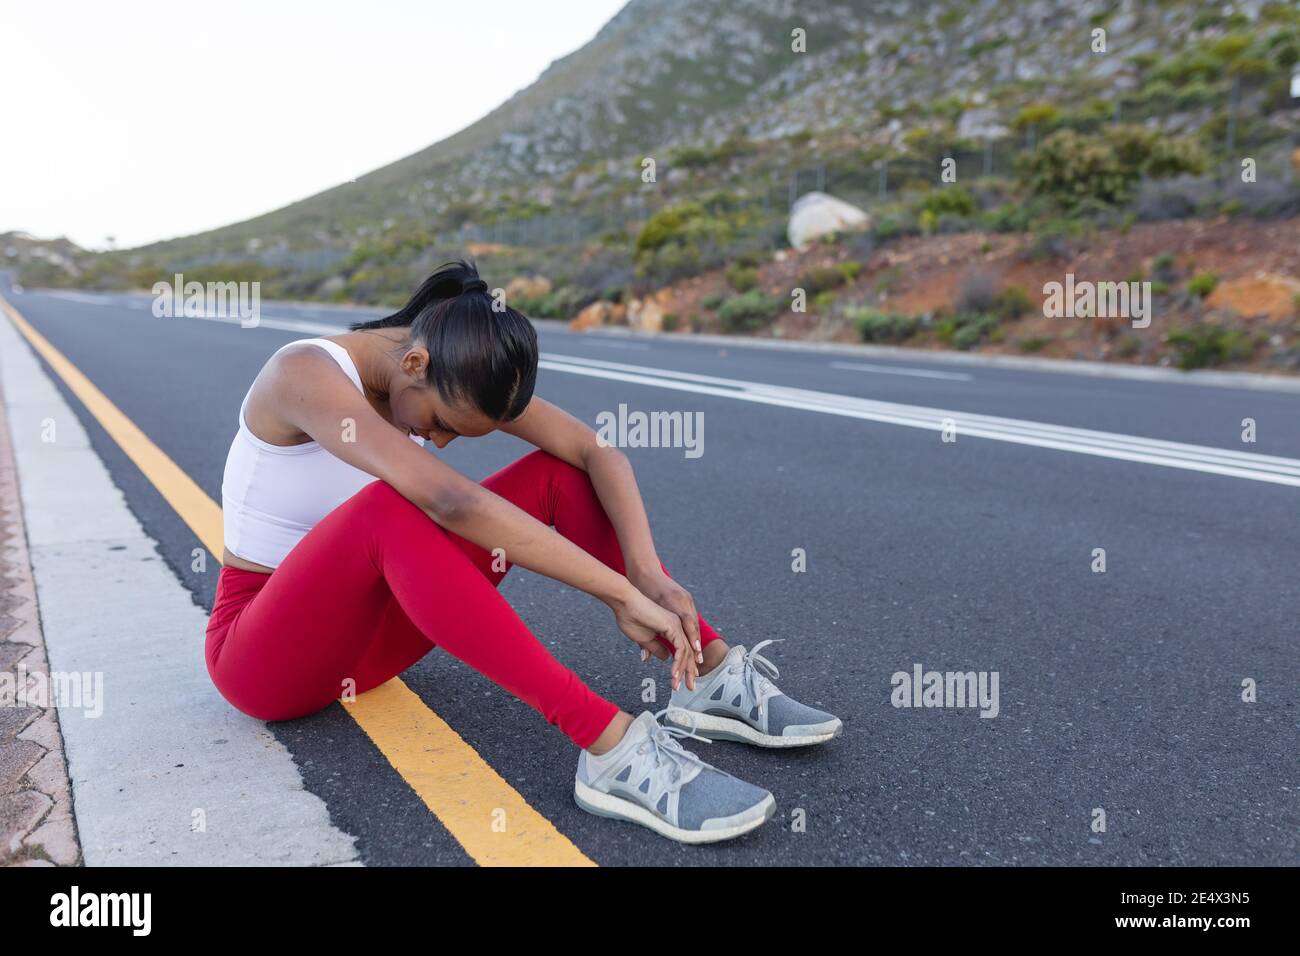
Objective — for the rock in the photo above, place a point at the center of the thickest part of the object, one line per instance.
(525, 287)
(594, 315)
(331, 286)
(817, 214)
(980, 124)
(646, 315)
(1262, 294)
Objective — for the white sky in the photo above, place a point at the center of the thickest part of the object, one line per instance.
(145, 120)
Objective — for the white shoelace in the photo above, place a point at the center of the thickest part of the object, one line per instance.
(666, 749)
(758, 671)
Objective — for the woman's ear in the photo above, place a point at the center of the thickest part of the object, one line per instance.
(415, 362)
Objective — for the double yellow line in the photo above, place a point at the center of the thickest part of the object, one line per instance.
(487, 816)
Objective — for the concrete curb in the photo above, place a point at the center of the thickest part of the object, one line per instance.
(163, 770)
(37, 824)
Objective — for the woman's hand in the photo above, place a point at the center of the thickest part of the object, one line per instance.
(667, 593)
(643, 620)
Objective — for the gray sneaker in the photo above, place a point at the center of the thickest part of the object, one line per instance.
(738, 701)
(649, 779)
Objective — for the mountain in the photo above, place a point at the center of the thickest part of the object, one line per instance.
(721, 96)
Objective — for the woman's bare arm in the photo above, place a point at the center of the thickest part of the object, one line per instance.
(312, 393)
(556, 431)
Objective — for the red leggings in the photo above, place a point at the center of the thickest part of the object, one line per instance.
(376, 585)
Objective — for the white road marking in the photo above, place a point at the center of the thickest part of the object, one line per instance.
(899, 370)
(1150, 451)
(635, 346)
(80, 297)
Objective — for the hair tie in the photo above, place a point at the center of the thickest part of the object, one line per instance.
(473, 285)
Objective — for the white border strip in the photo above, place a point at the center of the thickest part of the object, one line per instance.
(167, 749)
(1150, 451)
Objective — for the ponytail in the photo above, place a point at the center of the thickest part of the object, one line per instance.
(477, 351)
(449, 281)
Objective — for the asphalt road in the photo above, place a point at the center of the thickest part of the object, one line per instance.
(1119, 691)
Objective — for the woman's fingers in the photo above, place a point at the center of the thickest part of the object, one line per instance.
(684, 665)
(691, 624)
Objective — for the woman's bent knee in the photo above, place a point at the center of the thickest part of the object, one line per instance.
(383, 497)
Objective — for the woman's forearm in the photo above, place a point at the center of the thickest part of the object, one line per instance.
(491, 522)
(615, 483)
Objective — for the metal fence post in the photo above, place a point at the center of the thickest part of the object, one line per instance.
(1233, 96)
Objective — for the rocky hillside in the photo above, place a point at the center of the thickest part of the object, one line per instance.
(1072, 126)
(696, 74)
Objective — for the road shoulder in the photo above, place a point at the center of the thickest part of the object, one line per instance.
(162, 769)
(37, 827)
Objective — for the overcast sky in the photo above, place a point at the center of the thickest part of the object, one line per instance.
(145, 120)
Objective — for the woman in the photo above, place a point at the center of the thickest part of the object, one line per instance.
(335, 581)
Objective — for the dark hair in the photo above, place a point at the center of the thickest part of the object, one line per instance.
(476, 353)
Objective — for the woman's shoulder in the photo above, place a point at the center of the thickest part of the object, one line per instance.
(311, 361)
(299, 369)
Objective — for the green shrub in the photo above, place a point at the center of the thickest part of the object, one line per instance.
(1202, 284)
(697, 157)
(950, 201)
(850, 270)
(1035, 115)
(886, 228)
(1069, 167)
(749, 310)
(713, 300)
(1009, 217)
(1011, 302)
(671, 322)
(560, 303)
(820, 279)
(876, 326)
(673, 261)
(1204, 345)
(742, 278)
(1072, 168)
(1033, 344)
(684, 224)
(965, 330)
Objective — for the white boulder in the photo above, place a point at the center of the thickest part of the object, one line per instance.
(817, 214)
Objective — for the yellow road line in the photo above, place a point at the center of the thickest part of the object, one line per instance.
(196, 509)
(487, 816)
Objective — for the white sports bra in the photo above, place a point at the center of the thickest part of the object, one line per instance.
(272, 495)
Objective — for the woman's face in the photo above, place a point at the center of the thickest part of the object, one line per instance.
(420, 410)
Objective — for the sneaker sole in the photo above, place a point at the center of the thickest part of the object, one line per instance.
(727, 728)
(616, 808)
